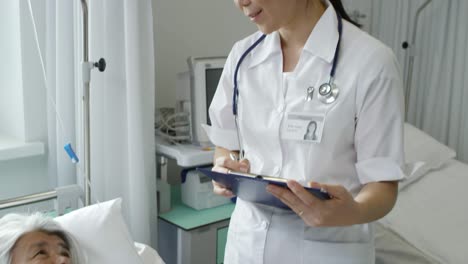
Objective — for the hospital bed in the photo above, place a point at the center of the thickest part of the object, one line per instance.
(100, 229)
(429, 223)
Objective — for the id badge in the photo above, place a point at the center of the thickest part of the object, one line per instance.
(304, 127)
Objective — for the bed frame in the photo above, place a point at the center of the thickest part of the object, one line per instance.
(66, 198)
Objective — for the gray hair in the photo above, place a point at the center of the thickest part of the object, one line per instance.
(13, 226)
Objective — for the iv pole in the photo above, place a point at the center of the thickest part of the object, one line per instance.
(87, 66)
(406, 45)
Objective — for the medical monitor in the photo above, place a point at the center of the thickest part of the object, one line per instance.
(205, 73)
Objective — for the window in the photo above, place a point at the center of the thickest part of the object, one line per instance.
(31, 136)
(22, 100)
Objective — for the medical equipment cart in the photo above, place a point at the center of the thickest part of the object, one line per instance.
(186, 235)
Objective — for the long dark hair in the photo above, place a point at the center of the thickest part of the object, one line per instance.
(340, 9)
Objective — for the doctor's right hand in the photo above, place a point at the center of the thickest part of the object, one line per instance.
(223, 164)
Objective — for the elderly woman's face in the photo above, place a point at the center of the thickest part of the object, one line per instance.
(40, 248)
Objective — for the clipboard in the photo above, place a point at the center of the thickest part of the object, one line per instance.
(252, 187)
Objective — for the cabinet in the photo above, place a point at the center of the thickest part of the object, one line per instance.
(186, 235)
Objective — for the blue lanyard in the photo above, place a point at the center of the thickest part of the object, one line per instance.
(235, 96)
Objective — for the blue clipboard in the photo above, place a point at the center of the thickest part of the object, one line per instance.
(252, 187)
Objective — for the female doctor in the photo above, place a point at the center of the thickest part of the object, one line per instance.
(311, 65)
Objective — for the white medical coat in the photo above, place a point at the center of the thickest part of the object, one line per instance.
(361, 141)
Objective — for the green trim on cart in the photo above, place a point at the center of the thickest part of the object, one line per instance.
(188, 218)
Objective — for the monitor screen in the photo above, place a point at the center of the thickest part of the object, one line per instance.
(212, 77)
(205, 73)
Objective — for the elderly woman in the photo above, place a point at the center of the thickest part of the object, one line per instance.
(36, 239)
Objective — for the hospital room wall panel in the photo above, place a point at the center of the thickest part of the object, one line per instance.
(185, 28)
(10, 72)
(23, 176)
(33, 82)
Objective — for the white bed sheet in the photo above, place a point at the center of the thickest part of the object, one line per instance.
(390, 248)
(432, 214)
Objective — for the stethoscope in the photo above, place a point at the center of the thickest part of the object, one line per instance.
(327, 92)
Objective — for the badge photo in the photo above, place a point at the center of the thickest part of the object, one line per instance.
(304, 127)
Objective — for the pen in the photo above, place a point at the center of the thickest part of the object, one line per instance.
(237, 157)
(233, 156)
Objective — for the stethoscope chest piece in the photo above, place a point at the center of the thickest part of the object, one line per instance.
(328, 92)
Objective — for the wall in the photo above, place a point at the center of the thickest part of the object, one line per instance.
(11, 93)
(34, 91)
(185, 28)
(23, 176)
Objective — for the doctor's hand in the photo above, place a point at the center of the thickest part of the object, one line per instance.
(223, 164)
(340, 210)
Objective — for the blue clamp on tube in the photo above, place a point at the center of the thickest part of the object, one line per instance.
(71, 153)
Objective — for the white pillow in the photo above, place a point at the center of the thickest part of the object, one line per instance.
(102, 233)
(423, 153)
(148, 254)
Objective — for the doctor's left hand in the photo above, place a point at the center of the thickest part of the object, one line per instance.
(340, 210)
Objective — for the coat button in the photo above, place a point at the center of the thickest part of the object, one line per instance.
(264, 225)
